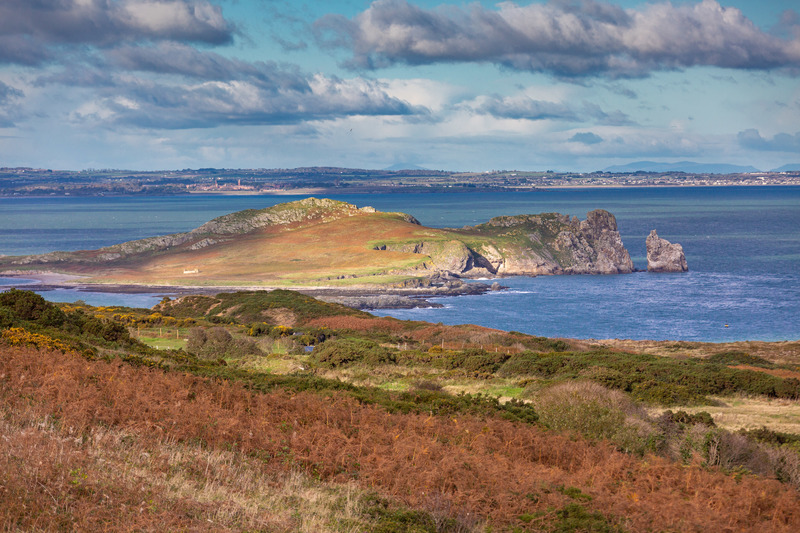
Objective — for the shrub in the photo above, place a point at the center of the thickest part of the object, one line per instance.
(482, 361)
(18, 305)
(280, 331)
(688, 419)
(530, 363)
(26, 305)
(427, 385)
(7, 318)
(738, 358)
(596, 412)
(256, 330)
(773, 438)
(23, 337)
(217, 343)
(348, 351)
(653, 392)
(574, 517)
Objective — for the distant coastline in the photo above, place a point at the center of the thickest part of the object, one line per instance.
(31, 182)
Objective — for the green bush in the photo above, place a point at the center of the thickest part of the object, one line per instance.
(349, 351)
(574, 517)
(598, 413)
(738, 358)
(652, 379)
(653, 392)
(773, 438)
(7, 318)
(26, 305)
(482, 361)
(19, 305)
(688, 419)
(217, 343)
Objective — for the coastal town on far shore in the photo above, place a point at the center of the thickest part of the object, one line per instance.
(47, 182)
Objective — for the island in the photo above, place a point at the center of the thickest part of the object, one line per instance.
(328, 244)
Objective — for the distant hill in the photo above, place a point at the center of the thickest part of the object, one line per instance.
(405, 166)
(791, 167)
(682, 166)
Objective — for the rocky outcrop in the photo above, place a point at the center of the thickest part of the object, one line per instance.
(307, 210)
(552, 243)
(664, 256)
(529, 245)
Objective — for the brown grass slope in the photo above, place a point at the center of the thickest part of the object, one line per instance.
(514, 475)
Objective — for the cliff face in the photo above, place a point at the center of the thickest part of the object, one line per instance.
(551, 243)
(664, 256)
(530, 245)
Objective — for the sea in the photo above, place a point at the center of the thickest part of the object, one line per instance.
(742, 245)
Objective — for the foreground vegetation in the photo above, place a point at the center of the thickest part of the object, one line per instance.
(283, 413)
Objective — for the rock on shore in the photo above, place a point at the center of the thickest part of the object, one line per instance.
(664, 256)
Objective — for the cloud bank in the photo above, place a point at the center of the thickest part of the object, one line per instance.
(139, 65)
(569, 39)
(32, 31)
(782, 142)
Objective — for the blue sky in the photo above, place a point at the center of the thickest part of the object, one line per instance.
(574, 85)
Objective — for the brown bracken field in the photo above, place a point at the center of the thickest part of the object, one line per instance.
(59, 408)
(243, 429)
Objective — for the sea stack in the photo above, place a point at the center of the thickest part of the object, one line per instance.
(663, 256)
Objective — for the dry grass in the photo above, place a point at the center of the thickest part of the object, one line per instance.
(751, 413)
(117, 481)
(354, 323)
(466, 465)
(787, 352)
(779, 372)
(310, 252)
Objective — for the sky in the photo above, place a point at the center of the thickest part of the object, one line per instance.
(565, 85)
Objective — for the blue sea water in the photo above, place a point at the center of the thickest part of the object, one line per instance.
(742, 245)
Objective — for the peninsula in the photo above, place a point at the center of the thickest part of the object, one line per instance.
(322, 243)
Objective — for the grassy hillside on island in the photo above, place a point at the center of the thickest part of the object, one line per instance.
(273, 411)
(315, 242)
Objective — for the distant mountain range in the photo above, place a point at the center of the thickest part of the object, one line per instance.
(690, 167)
(405, 166)
(683, 166)
(792, 167)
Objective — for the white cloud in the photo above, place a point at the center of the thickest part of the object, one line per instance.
(568, 39)
(431, 94)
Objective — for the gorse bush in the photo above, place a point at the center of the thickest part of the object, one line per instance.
(651, 379)
(28, 310)
(22, 337)
(349, 351)
(253, 306)
(596, 412)
(18, 305)
(739, 358)
(218, 343)
(773, 438)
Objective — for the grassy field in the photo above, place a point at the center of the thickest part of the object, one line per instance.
(742, 412)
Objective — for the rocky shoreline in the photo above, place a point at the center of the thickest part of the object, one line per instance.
(412, 295)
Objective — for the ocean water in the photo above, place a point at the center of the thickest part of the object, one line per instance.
(742, 245)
